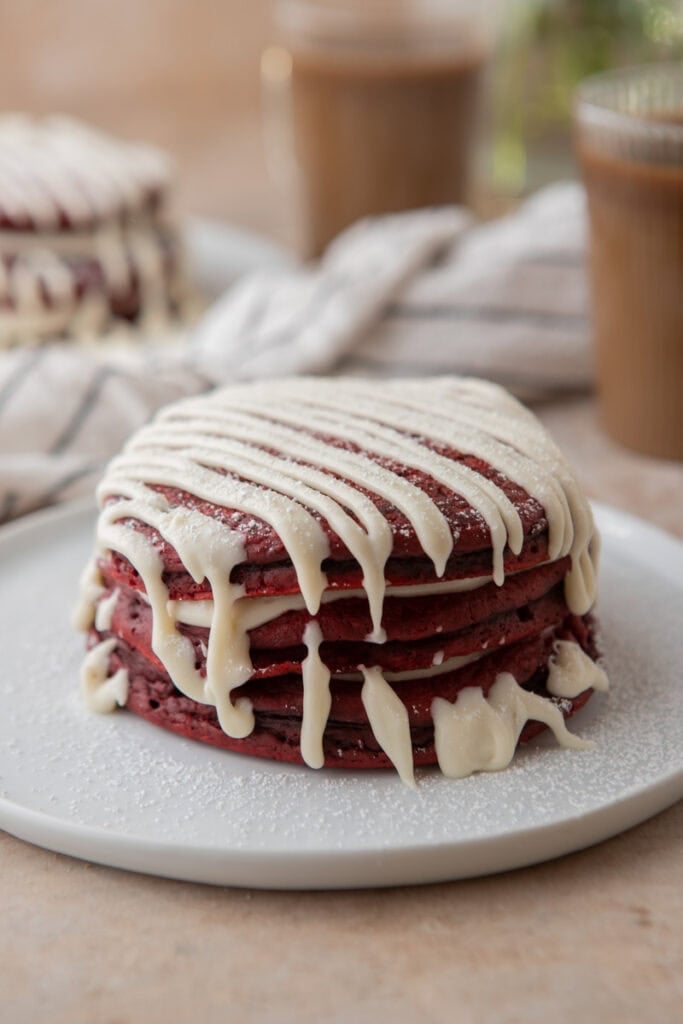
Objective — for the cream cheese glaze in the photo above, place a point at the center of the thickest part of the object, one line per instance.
(256, 611)
(101, 691)
(105, 611)
(317, 698)
(388, 719)
(571, 672)
(282, 472)
(478, 733)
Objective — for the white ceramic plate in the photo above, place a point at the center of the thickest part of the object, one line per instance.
(117, 790)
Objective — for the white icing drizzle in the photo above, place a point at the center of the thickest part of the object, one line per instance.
(488, 423)
(256, 611)
(541, 468)
(105, 611)
(571, 671)
(480, 734)
(113, 197)
(228, 664)
(388, 720)
(274, 467)
(253, 429)
(371, 543)
(300, 532)
(317, 698)
(91, 590)
(498, 512)
(101, 691)
(438, 669)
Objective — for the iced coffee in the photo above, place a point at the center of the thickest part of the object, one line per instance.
(630, 146)
(382, 102)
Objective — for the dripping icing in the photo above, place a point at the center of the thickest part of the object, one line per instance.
(571, 671)
(388, 720)
(101, 691)
(479, 733)
(317, 698)
(105, 611)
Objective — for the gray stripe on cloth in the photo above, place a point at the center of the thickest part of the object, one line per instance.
(19, 374)
(559, 258)
(492, 314)
(7, 506)
(79, 417)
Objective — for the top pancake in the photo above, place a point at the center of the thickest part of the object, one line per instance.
(280, 466)
(59, 175)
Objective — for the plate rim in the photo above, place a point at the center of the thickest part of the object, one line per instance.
(328, 869)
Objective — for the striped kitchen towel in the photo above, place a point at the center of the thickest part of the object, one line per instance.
(422, 293)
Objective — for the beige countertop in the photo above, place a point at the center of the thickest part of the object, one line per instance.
(591, 937)
(595, 936)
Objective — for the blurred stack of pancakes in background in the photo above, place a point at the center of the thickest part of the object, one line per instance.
(89, 246)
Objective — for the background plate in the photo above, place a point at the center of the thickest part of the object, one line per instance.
(117, 790)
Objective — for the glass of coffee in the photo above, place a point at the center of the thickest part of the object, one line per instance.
(371, 106)
(629, 137)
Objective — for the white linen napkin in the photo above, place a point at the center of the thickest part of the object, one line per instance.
(421, 293)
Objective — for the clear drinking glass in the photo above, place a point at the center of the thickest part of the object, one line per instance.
(371, 106)
(629, 137)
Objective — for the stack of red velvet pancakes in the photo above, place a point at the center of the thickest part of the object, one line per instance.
(346, 573)
(88, 242)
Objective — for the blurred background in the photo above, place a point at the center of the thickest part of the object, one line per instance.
(186, 76)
